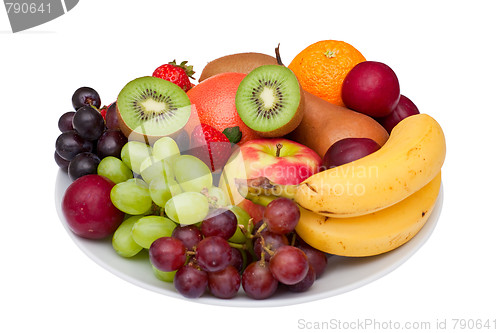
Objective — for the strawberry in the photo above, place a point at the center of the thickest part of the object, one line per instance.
(178, 74)
(103, 111)
(210, 146)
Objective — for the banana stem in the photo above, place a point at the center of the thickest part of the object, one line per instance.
(262, 186)
(261, 200)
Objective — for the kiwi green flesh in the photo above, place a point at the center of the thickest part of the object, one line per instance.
(152, 106)
(268, 98)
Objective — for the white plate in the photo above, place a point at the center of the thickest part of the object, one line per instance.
(342, 274)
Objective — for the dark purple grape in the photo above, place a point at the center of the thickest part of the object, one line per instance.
(190, 282)
(237, 259)
(221, 222)
(348, 150)
(65, 122)
(316, 258)
(85, 96)
(289, 264)
(88, 123)
(281, 215)
(405, 108)
(257, 280)
(110, 143)
(112, 117)
(305, 283)
(83, 164)
(371, 88)
(167, 254)
(213, 253)
(271, 241)
(224, 283)
(190, 235)
(61, 162)
(69, 144)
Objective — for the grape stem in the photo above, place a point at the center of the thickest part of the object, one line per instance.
(261, 228)
(212, 200)
(238, 246)
(267, 249)
(294, 239)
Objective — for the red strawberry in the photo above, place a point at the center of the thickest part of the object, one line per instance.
(103, 111)
(210, 146)
(178, 74)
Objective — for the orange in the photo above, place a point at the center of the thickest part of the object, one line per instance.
(214, 103)
(321, 68)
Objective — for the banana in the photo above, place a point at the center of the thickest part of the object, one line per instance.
(374, 233)
(412, 156)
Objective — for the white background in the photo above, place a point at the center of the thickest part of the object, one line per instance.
(445, 54)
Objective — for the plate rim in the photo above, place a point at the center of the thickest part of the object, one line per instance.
(411, 247)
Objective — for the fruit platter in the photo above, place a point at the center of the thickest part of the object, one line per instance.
(257, 184)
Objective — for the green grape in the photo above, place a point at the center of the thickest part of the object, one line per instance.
(164, 276)
(217, 197)
(243, 218)
(165, 147)
(187, 208)
(192, 174)
(161, 190)
(131, 197)
(122, 241)
(133, 153)
(149, 228)
(114, 169)
(154, 168)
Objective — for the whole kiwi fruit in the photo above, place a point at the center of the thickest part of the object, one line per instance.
(239, 63)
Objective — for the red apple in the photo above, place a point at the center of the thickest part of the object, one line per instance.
(281, 160)
(256, 212)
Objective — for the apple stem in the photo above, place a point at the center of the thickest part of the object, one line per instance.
(278, 149)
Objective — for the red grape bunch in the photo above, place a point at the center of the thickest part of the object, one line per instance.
(204, 260)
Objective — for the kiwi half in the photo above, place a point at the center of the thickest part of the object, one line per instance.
(270, 100)
(150, 108)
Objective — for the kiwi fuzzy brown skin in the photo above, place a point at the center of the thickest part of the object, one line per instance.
(238, 63)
